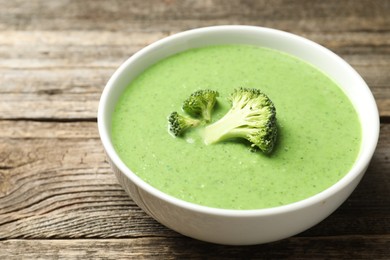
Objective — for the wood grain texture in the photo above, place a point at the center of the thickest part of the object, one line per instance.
(40, 64)
(372, 247)
(58, 197)
(153, 15)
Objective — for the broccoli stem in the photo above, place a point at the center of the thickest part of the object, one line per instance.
(229, 126)
(206, 113)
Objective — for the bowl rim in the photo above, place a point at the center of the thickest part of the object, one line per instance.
(359, 166)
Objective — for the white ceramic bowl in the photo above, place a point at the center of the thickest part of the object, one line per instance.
(241, 227)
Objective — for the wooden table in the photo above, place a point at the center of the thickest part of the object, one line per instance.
(58, 197)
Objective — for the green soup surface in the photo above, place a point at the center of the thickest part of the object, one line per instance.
(319, 132)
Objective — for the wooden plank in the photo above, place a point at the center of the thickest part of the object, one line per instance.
(20, 130)
(56, 183)
(317, 15)
(344, 247)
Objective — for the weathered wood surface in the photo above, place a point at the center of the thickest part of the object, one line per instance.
(66, 50)
(58, 196)
(347, 247)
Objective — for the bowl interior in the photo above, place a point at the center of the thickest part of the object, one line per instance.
(332, 65)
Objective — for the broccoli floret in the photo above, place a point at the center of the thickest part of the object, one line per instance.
(200, 103)
(252, 116)
(179, 123)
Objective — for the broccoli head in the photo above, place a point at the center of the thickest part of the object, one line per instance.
(252, 117)
(200, 103)
(179, 123)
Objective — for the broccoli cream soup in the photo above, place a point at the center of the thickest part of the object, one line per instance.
(318, 129)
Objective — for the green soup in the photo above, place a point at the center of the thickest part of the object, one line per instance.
(318, 141)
